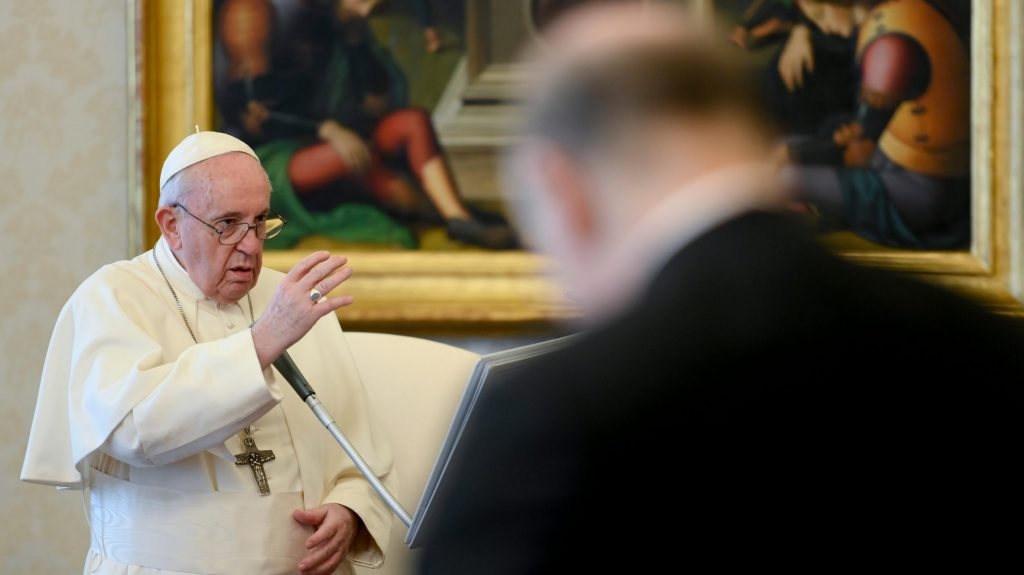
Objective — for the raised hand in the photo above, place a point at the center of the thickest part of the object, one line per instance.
(293, 311)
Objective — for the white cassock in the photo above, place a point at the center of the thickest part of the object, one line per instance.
(131, 408)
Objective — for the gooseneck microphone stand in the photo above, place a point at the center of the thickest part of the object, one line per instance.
(290, 371)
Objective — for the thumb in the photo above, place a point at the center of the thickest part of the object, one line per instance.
(309, 516)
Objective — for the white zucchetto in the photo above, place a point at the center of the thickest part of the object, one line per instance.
(198, 147)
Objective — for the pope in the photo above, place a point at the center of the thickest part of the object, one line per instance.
(159, 398)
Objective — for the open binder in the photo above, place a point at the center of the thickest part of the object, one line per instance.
(491, 370)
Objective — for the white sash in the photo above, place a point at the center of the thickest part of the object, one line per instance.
(195, 532)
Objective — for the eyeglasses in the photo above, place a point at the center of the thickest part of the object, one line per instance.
(266, 226)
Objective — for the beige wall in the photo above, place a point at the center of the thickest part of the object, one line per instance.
(64, 211)
(64, 110)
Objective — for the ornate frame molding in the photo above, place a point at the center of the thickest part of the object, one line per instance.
(501, 293)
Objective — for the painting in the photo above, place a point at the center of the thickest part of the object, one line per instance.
(873, 102)
(435, 283)
(337, 97)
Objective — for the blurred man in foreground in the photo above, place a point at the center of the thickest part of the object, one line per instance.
(739, 396)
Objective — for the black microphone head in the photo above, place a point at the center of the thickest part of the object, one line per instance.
(286, 366)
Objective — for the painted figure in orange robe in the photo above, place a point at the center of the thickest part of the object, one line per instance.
(898, 173)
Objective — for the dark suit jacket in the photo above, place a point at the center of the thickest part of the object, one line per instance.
(765, 404)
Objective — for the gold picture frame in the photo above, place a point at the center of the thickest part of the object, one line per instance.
(510, 292)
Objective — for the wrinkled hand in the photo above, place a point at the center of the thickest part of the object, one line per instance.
(347, 144)
(797, 57)
(291, 313)
(335, 528)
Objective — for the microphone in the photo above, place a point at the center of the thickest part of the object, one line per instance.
(290, 371)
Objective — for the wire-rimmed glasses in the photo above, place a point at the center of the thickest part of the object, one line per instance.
(266, 226)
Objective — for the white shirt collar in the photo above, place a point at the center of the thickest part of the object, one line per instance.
(675, 220)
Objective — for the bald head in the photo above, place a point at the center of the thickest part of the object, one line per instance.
(630, 106)
(602, 26)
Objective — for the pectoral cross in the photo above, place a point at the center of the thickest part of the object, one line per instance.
(255, 458)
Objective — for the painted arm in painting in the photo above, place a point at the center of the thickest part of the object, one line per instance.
(763, 22)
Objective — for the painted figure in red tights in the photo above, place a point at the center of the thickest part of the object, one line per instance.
(305, 83)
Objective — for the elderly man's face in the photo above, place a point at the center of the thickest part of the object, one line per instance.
(225, 189)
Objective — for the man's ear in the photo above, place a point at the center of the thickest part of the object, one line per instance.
(168, 222)
(566, 187)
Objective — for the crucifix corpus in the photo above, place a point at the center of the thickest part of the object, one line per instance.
(255, 458)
